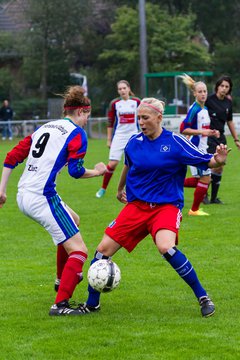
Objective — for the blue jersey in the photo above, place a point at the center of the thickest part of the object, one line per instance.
(157, 168)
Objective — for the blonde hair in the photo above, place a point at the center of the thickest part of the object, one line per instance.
(190, 83)
(153, 103)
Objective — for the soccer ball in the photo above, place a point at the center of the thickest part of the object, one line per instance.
(104, 275)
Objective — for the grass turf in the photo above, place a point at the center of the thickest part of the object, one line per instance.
(153, 314)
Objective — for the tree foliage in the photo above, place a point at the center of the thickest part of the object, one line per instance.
(173, 44)
(100, 38)
(52, 38)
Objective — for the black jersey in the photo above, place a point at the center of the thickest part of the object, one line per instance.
(220, 111)
(6, 113)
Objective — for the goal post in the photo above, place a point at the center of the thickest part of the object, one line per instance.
(167, 86)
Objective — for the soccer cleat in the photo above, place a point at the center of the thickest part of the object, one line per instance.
(63, 308)
(89, 308)
(100, 193)
(198, 212)
(206, 200)
(216, 201)
(57, 284)
(207, 306)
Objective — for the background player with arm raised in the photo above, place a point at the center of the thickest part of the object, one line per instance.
(155, 168)
(122, 118)
(48, 150)
(197, 126)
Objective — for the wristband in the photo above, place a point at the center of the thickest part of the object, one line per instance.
(236, 140)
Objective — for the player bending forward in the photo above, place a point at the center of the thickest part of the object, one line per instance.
(155, 167)
(48, 150)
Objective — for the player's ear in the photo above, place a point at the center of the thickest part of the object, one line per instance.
(79, 112)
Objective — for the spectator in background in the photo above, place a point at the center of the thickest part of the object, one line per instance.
(6, 115)
(219, 107)
(197, 126)
(122, 118)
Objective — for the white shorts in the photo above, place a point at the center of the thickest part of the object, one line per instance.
(51, 213)
(196, 172)
(117, 146)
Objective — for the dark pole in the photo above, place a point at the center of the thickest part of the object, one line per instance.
(143, 45)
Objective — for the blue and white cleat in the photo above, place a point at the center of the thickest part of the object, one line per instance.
(100, 193)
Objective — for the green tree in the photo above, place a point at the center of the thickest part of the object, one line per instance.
(55, 31)
(218, 20)
(9, 57)
(5, 83)
(227, 61)
(173, 44)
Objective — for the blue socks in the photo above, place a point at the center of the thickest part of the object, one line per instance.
(176, 259)
(184, 268)
(93, 295)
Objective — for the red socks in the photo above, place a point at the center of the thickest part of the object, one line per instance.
(199, 194)
(107, 177)
(62, 257)
(191, 182)
(71, 276)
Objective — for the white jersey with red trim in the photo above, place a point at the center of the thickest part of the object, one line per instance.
(48, 150)
(122, 116)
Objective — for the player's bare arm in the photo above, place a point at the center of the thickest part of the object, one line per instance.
(121, 194)
(234, 133)
(3, 185)
(99, 170)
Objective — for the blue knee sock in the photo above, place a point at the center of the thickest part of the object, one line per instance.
(93, 295)
(184, 269)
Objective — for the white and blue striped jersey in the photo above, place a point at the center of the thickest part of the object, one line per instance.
(197, 118)
(48, 150)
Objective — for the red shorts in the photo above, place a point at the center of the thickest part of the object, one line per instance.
(138, 219)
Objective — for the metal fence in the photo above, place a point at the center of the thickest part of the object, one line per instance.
(96, 127)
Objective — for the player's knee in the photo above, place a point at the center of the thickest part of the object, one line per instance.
(77, 220)
(164, 249)
(103, 250)
(217, 171)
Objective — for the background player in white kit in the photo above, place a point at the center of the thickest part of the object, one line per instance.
(47, 150)
(197, 126)
(122, 124)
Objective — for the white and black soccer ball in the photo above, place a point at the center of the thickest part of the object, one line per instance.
(104, 275)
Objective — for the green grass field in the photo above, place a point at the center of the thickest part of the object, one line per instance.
(152, 314)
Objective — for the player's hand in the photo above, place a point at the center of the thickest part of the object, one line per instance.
(238, 144)
(215, 133)
(122, 196)
(3, 199)
(221, 153)
(211, 132)
(101, 168)
(109, 143)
